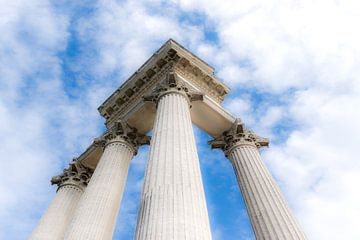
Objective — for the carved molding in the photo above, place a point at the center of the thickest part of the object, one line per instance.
(167, 59)
(172, 84)
(76, 175)
(238, 135)
(143, 83)
(207, 83)
(120, 129)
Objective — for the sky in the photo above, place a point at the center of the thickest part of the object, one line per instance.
(294, 72)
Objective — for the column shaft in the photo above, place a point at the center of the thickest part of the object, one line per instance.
(57, 217)
(269, 214)
(173, 202)
(98, 208)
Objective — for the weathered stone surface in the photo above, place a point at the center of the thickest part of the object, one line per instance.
(173, 202)
(59, 214)
(126, 101)
(98, 208)
(270, 216)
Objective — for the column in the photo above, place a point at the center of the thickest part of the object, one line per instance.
(98, 208)
(71, 185)
(173, 202)
(269, 213)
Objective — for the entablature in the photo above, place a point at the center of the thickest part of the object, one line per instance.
(170, 57)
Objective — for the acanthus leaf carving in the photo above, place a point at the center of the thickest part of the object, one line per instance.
(172, 84)
(238, 134)
(124, 131)
(76, 174)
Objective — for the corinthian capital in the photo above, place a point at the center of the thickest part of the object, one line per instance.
(76, 174)
(238, 135)
(172, 84)
(121, 129)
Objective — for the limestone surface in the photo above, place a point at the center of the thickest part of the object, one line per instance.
(173, 202)
(98, 208)
(57, 217)
(270, 216)
(269, 213)
(71, 184)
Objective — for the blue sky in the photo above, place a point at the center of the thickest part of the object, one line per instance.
(293, 68)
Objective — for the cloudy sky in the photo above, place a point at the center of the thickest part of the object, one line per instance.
(293, 67)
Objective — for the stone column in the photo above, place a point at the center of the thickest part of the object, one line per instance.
(269, 213)
(98, 208)
(71, 185)
(173, 202)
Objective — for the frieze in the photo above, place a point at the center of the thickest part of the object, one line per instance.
(153, 71)
(204, 82)
(134, 94)
(172, 84)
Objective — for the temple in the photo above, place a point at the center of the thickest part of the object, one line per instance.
(169, 93)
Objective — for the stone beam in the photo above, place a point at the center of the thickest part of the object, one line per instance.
(126, 102)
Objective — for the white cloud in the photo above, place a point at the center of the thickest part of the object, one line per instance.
(40, 128)
(30, 35)
(287, 44)
(235, 75)
(318, 164)
(126, 33)
(304, 55)
(241, 107)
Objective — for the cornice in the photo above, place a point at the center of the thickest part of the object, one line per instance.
(170, 57)
(207, 83)
(129, 95)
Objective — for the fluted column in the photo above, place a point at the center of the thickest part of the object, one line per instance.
(173, 202)
(269, 213)
(57, 217)
(98, 208)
